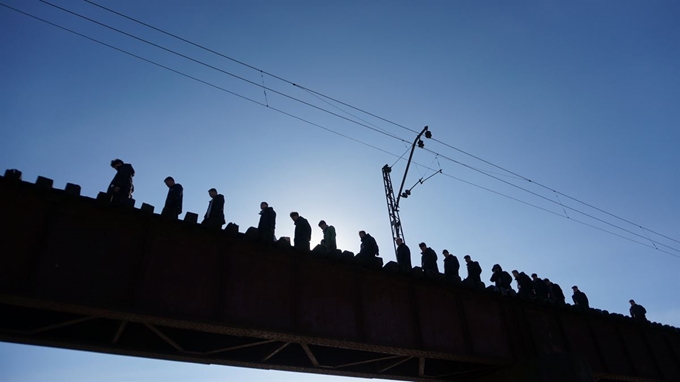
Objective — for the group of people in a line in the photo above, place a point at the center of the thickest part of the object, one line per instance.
(531, 288)
(121, 188)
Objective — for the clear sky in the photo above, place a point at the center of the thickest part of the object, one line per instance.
(581, 97)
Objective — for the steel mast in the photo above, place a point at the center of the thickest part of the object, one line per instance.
(392, 202)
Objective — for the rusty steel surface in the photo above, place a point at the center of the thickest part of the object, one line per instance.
(78, 273)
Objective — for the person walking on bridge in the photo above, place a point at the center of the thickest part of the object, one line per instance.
(173, 202)
(638, 312)
(540, 288)
(403, 255)
(555, 293)
(267, 225)
(524, 285)
(303, 232)
(121, 187)
(369, 247)
(214, 216)
(428, 261)
(328, 240)
(501, 279)
(474, 278)
(580, 299)
(451, 266)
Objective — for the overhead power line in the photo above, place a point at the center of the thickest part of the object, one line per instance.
(331, 130)
(245, 64)
(552, 201)
(377, 117)
(219, 70)
(193, 78)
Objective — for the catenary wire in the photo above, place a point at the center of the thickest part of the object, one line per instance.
(556, 214)
(550, 200)
(245, 64)
(220, 70)
(317, 125)
(194, 78)
(375, 116)
(344, 111)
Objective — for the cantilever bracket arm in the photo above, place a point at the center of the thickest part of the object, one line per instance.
(408, 164)
(421, 181)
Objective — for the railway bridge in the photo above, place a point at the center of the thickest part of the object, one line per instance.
(78, 273)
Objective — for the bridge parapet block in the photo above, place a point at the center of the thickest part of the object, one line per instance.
(103, 197)
(231, 229)
(13, 174)
(147, 208)
(45, 183)
(72, 189)
(191, 217)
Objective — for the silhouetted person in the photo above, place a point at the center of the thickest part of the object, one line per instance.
(173, 202)
(540, 289)
(525, 286)
(474, 278)
(501, 279)
(428, 260)
(580, 299)
(369, 247)
(451, 266)
(121, 187)
(638, 312)
(555, 293)
(267, 224)
(403, 255)
(214, 216)
(328, 240)
(303, 232)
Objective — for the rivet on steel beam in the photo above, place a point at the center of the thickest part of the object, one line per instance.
(43, 182)
(72, 189)
(191, 217)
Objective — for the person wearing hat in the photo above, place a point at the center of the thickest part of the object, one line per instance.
(214, 217)
(580, 299)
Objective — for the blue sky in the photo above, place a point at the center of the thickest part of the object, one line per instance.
(580, 97)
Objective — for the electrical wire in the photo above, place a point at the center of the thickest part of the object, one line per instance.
(219, 70)
(244, 64)
(375, 116)
(343, 135)
(552, 201)
(195, 78)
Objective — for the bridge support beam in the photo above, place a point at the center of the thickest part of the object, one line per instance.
(556, 367)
